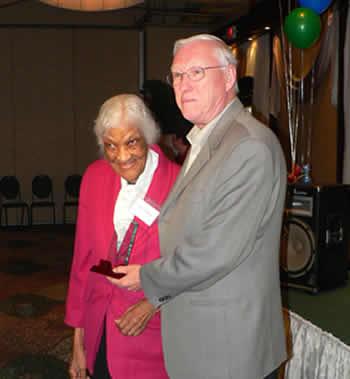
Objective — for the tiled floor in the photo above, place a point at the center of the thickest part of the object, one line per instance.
(26, 324)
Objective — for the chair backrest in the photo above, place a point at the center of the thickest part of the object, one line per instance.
(42, 187)
(72, 185)
(10, 188)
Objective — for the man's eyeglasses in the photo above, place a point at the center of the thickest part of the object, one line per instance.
(194, 73)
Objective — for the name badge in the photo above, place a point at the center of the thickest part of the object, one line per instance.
(144, 211)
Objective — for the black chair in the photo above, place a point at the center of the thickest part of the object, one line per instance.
(42, 197)
(11, 198)
(71, 194)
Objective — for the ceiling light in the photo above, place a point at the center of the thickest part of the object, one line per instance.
(92, 5)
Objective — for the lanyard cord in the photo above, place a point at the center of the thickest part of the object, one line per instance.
(131, 243)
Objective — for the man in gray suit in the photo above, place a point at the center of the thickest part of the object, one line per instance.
(217, 282)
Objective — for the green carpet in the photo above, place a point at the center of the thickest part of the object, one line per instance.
(328, 309)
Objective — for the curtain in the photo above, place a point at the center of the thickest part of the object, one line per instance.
(346, 97)
(254, 58)
(262, 76)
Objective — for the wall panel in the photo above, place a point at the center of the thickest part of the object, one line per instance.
(160, 43)
(105, 64)
(53, 82)
(7, 126)
(43, 112)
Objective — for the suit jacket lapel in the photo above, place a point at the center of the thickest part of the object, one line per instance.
(214, 140)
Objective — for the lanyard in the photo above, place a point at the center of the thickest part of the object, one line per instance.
(131, 243)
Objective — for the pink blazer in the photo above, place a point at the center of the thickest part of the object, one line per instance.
(91, 297)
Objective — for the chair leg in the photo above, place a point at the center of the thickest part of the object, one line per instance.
(22, 215)
(28, 218)
(6, 217)
(51, 217)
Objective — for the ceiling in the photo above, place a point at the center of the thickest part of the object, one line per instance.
(210, 14)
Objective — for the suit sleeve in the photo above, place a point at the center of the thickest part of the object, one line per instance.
(225, 232)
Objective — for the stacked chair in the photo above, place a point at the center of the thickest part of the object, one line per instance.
(71, 194)
(11, 199)
(42, 197)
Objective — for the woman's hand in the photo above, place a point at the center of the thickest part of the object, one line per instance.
(77, 368)
(136, 318)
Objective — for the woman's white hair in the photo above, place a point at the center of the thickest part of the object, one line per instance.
(121, 108)
(221, 50)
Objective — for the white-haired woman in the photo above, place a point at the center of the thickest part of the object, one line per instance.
(117, 332)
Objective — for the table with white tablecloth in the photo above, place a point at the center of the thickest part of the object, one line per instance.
(314, 353)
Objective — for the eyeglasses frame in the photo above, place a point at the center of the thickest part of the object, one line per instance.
(170, 75)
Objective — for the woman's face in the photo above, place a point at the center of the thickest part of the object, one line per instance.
(126, 150)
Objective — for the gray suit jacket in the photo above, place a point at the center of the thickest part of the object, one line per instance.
(218, 278)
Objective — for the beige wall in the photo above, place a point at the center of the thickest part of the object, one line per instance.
(160, 42)
(53, 81)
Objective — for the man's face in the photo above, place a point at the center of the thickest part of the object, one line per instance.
(201, 101)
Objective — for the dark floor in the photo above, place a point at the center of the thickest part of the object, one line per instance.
(34, 271)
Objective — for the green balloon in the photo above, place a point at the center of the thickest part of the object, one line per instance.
(302, 27)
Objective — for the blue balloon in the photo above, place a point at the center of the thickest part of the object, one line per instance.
(318, 6)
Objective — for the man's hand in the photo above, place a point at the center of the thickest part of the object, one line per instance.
(131, 281)
(136, 318)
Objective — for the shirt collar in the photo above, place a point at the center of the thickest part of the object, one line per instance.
(198, 136)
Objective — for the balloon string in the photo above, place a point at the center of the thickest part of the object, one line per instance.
(292, 97)
(302, 107)
(289, 111)
(293, 100)
(309, 132)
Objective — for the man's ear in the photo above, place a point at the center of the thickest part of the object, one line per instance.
(230, 77)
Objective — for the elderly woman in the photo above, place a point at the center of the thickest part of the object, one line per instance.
(117, 332)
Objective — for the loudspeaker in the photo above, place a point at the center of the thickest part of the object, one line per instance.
(314, 242)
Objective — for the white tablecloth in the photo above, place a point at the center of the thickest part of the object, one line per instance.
(316, 354)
